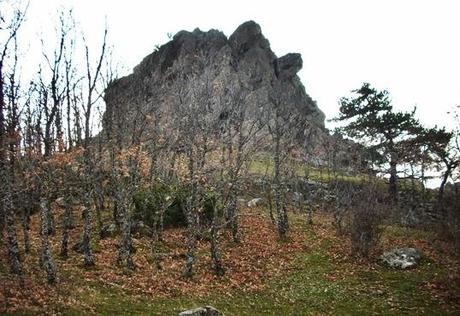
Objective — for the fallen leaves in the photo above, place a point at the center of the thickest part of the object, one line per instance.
(249, 265)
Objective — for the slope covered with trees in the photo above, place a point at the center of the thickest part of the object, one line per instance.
(198, 177)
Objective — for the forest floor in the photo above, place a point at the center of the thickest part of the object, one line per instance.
(311, 273)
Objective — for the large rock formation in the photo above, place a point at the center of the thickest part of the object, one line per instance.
(244, 60)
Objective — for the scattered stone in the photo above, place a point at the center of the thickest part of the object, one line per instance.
(138, 227)
(202, 311)
(401, 258)
(109, 230)
(255, 202)
(297, 197)
(60, 202)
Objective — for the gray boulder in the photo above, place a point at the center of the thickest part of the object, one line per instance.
(401, 258)
(60, 202)
(138, 227)
(202, 311)
(255, 202)
(109, 230)
(297, 197)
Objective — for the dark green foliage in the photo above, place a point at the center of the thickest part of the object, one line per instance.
(373, 122)
(149, 202)
(373, 116)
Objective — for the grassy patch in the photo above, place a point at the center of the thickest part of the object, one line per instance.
(313, 284)
(264, 165)
(319, 278)
(308, 289)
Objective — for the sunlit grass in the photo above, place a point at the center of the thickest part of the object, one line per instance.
(264, 166)
(316, 283)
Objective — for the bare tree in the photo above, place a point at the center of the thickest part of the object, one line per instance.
(238, 138)
(9, 137)
(46, 258)
(92, 80)
(285, 126)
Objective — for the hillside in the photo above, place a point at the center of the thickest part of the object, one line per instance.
(311, 273)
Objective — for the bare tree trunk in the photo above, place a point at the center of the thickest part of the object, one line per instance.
(191, 234)
(156, 228)
(215, 254)
(2, 145)
(67, 225)
(268, 195)
(26, 227)
(86, 243)
(99, 203)
(126, 246)
(234, 221)
(393, 190)
(190, 214)
(281, 212)
(445, 177)
(50, 223)
(13, 247)
(191, 244)
(46, 256)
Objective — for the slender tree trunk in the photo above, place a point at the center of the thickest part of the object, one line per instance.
(2, 147)
(191, 218)
(393, 189)
(191, 244)
(234, 221)
(87, 247)
(281, 211)
(99, 203)
(215, 254)
(445, 177)
(13, 246)
(46, 256)
(67, 226)
(156, 228)
(26, 228)
(270, 204)
(50, 222)
(126, 246)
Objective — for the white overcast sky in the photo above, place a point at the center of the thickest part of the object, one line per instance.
(409, 47)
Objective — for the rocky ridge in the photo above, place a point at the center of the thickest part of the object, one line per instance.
(243, 61)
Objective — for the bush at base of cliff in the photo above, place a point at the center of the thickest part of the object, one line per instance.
(148, 204)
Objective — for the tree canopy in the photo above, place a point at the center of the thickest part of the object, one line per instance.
(372, 121)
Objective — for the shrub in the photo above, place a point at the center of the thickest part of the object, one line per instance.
(148, 205)
(366, 219)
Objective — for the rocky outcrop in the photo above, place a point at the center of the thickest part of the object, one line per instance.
(243, 61)
(288, 66)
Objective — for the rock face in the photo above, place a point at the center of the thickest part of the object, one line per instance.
(401, 258)
(243, 61)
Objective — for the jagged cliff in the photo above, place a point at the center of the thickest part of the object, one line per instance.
(244, 57)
